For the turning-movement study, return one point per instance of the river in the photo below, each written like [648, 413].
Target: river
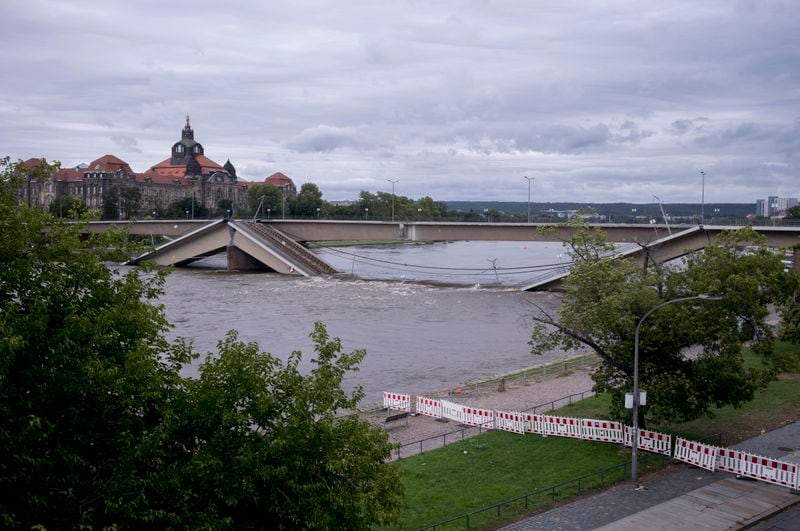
[419, 335]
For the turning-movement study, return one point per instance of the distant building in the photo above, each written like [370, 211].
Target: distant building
[774, 206]
[186, 173]
[283, 182]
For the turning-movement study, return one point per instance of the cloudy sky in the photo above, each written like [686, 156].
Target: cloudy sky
[597, 100]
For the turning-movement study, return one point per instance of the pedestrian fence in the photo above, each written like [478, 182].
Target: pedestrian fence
[700, 454]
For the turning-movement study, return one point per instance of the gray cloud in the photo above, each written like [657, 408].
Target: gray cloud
[600, 101]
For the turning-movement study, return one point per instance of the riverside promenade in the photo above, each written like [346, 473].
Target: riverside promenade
[685, 497]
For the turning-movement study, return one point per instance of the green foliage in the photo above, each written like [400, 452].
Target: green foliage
[186, 208]
[793, 213]
[121, 201]
[308, 200]
[690, 354]
[98, 429]
[272, 199]
[67, 207]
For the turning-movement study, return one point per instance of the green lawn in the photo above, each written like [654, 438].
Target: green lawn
[497, 466]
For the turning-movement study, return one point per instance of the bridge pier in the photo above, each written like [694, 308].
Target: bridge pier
[239, 260]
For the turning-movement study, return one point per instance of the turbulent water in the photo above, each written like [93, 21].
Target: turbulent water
[418, 335]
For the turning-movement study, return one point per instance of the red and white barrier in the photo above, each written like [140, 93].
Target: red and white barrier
[562, 426]
[602, 430]
[429, 407]
[535, 424]
[695, 453]
[510, 421]
[730, 460]
[397, 401]
[479, 417]
[770, 470]
[650, 441]
[453, 411]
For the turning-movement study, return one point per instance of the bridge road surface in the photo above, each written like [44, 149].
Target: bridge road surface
[675, 497]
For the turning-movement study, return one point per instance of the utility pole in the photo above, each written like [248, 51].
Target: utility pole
[393, 183]
[529, 179]
[703, 200]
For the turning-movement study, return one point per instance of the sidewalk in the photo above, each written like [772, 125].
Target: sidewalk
[677, 497]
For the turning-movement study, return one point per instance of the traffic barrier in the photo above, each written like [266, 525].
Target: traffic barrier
[429, 407]
[510, 421]
[602, 430]
[452, 411]
[770, 470]
[650, 441]
[695, 453]
[479, 417]
[535, 424]
[562, 426]
[397, 401]
[730, 460]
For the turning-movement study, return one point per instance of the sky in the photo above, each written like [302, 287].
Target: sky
[597, 101]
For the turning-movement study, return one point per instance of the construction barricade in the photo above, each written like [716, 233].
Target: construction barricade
[510, 421]
[429, 407]
[730, 460]
[650, 441]
[397, 401]
[602, 430]
[770, 470]
[479, 417]
[452, 411]
[562, 426]
[534, 424]
[695, 453]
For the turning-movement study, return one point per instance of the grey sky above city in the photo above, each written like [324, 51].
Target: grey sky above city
[598, 101]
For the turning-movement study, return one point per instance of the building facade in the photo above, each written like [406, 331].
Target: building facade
[187, 173]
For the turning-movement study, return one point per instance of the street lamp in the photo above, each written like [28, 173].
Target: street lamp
[635, 446]
[419, 214]
[317, 212]
[393, 183]
[269, 211]
[187, 213]
[366, 214]
[703, 200]
[529, 179]
[486, 213]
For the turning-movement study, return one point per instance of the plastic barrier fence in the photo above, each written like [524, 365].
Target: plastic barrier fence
[535, 424]
[730, 460]
[562, 426]
[429, 407]
[770, 470]
[602, 430]
[510, 421]
[695, 453]
[650, 441]
[397, 401]
[479, 417]
[452, 411]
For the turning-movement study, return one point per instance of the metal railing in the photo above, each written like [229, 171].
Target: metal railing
[440, 441]
[520, 504]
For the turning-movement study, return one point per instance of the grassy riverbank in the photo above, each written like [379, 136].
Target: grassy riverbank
[498, 466]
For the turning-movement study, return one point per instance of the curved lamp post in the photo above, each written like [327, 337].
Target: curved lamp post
[635, 446]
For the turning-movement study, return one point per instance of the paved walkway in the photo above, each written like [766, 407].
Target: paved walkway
[616, 504]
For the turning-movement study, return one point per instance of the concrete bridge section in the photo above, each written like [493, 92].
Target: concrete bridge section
[249, 246]
[674, 246]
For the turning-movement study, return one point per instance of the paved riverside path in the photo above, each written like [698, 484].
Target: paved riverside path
[612, 507]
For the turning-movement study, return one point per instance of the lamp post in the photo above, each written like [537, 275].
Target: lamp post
[486, 213]
[269, 211]
[393, 183]
[419, 214]
[366, 214]
[529, 179]
[187, 214]
[635, 446]
[317, 212]
[703, 200]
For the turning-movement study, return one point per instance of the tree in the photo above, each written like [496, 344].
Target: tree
[121, 201]
[690, 355]
[308, 200]
[67, 206]
[188, 206]
[99, 429]
[271, 199]
[793, 212]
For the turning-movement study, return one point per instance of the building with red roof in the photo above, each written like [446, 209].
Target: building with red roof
[187, 173]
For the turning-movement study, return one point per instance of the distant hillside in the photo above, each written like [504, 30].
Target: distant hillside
[737, 210]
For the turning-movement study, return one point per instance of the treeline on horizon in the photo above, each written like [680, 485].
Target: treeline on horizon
[606, 209]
